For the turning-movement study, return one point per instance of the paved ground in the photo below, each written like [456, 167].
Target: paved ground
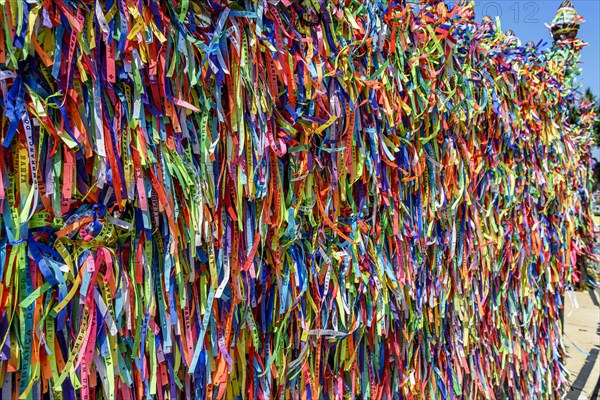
[582, 338]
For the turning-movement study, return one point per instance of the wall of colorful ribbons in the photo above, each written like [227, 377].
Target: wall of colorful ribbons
[284, 199]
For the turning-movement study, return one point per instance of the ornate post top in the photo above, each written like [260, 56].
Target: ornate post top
[566, 22]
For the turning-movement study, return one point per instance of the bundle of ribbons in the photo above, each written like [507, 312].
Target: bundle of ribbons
[330, 199]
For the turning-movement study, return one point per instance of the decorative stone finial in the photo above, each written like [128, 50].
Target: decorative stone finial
[565, 24]
[512, 39]
[566, 4]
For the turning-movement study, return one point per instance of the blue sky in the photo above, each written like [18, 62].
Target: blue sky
[526, 18]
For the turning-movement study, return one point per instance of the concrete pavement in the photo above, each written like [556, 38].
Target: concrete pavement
[582, 340]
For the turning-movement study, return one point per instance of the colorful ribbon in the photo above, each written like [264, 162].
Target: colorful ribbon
[263, 199]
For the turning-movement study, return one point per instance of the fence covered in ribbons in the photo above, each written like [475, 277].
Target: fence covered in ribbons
[316, 200]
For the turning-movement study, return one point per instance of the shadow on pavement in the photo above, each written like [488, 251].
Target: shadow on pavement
[584, 375]
[588, 368]
[594, 298]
